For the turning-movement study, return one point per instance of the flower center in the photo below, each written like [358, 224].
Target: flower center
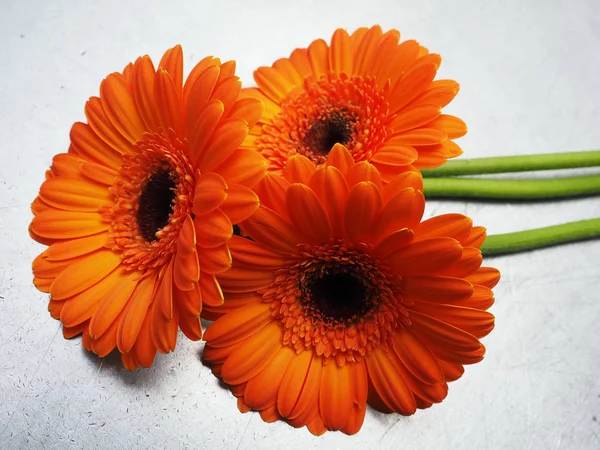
[325, 132]
[338, 296]
[334, 109]
[151, 198]
[337, 300]
[156, 203]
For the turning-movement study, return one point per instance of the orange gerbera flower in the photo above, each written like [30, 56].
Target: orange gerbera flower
[365, 91]
[138, 213]
[345, 297]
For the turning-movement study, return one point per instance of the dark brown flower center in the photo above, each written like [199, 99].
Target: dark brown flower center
[339, 296]
[156, 203]
[335, 128]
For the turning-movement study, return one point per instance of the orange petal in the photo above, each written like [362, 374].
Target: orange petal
[418, 137]
[106, 343]
[331, 188]
[135, 313]
[247, 252]
[272, 83]
[75, 195]
[211, 290]
[144, 349]
[240, 203]
[335, 403]
[190, 301]
[81, 307]
[416, 357]
[299, 58]
[483, 298]
[213, 229]
[70, 332]
[437, 289]
[245, 167]
[210, 193]
[190, 325]
[186, 269]
[271, 108]
[253, 355]
[271, 190]
[358, 394]
[389, 383]
[104, 128]
[199, 91]
[238, 325]
[227, 137]
[57, 224]
[425, 394]
[415, 117]
[66, 165]
[455, 226]
[442, 334]
[234, 301]
[215, 259]
[381, 57]
[172, 62]
[299, 169]
[340, 55]
[363, 171]
[296, 378]
[468, 264]
[413, 84]
[168, 102]
[476, 237]
[112, 305]
[366, 50]
[450, 125]
[405, 55]
[86, 272]
[163, 297]
[286, 68]
[271, 230]
[143, 92]
[411, 178]
[270, 414]
[486, 276]
[261, 391]
[440, 92]
[72, 248]
[318, 55]
[119, 105]
[204, 127]
[164, 330]
[363, 204]
[249, 110]
[395, 155]
[393, 242]
[87, 144]
[98, 173]
[240, 279]
[340, 158]
[473, 321]
[307, 213]
[452, 371]
[316, 426]
[426, 257]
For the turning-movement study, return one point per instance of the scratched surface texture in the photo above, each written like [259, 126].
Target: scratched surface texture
[530, 77]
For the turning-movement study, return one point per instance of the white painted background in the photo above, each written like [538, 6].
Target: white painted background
[530, 76]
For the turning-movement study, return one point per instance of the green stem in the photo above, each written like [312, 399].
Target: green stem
[526, 163]
[512, 189]
[541, 237]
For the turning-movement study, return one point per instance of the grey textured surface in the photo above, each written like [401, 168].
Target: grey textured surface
[530, 80]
